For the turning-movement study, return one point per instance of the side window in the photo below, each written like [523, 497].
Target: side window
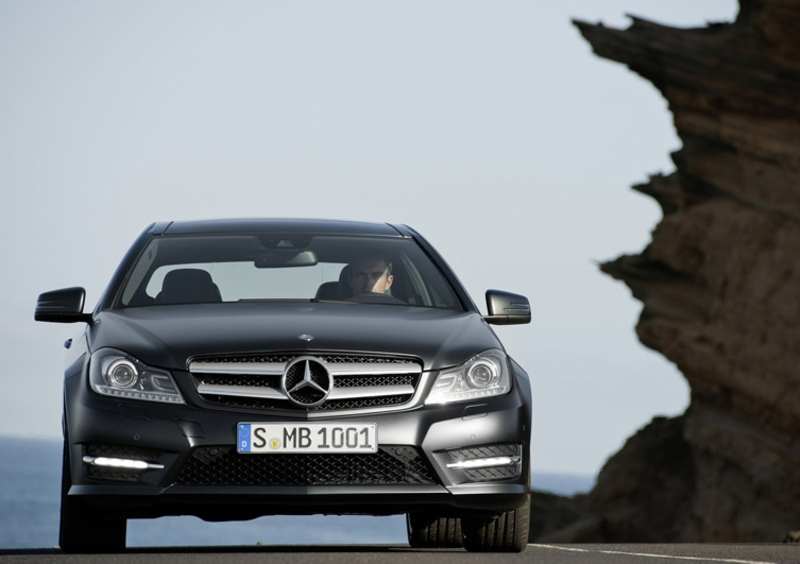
[156, 283]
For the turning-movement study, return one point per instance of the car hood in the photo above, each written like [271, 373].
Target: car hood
[169, 336]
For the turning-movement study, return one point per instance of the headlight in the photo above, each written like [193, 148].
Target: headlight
[481, 376]
[114, 373]
[121, 373]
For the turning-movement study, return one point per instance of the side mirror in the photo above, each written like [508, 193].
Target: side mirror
[62, 306]
[507, 309]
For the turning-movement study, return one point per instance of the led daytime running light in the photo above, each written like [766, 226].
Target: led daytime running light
[121, 463]
[152, 396]
[485, 462]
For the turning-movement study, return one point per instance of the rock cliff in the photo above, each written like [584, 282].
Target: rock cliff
[720, 284]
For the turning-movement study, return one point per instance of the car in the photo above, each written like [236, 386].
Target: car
[238, 368]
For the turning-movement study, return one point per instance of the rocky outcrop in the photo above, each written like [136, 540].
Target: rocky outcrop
[557, 519]
[644, 487]
[720, 284]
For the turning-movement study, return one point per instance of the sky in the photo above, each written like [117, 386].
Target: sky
[487, 125]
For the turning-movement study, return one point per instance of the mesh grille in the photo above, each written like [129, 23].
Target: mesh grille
[257, 380]
[361, 403]
[376, 380]
[333, 405]
[99, 473]
[492, 474]
[246, 359]
[224, 466]
[333, 359]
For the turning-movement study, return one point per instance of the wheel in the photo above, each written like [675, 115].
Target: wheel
[85, 529]
[431, 531]
[507, 532]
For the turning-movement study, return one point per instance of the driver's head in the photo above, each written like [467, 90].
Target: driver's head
[371, 275]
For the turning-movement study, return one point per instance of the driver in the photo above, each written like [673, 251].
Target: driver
[371, 275]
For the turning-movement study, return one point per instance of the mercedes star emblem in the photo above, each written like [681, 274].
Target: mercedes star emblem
[306, 381]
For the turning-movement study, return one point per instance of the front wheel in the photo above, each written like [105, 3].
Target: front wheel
[508, 532]
[85, 529]
[426, 530]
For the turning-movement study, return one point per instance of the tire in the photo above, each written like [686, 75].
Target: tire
[507, 532]
[86, 529]
[426, 530]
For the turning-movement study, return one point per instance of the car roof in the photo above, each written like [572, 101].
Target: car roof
[321, 226]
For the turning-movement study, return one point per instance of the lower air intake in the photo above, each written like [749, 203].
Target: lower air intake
[223, 466]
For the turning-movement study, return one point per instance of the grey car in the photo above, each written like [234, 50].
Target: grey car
[240, 368]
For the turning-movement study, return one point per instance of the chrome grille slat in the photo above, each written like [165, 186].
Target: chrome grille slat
[254, 368]
[370, 392]
[276, 369]
[242, 391]
[358, 369]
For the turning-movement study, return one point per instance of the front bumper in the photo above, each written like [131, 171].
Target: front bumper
[172, 436]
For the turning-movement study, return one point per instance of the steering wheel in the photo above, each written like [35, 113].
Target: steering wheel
[374, 298]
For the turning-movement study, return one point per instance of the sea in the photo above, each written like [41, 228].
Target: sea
[30, 482]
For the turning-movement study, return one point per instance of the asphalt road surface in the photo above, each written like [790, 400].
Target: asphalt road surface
[536, 553]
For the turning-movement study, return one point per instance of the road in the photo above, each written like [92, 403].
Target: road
[536, 553]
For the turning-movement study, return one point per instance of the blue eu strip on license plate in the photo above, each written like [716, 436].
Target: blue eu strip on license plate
[244, 438]
[280, 438]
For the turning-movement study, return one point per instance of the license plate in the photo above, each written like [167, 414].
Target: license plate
[281, 438]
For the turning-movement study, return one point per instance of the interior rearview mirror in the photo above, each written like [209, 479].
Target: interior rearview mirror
[279, 258]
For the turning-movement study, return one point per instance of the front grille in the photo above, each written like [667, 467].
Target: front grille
[254, 381]
[118, 451]
[223, 466]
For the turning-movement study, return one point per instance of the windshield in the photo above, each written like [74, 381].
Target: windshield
[269, 266]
